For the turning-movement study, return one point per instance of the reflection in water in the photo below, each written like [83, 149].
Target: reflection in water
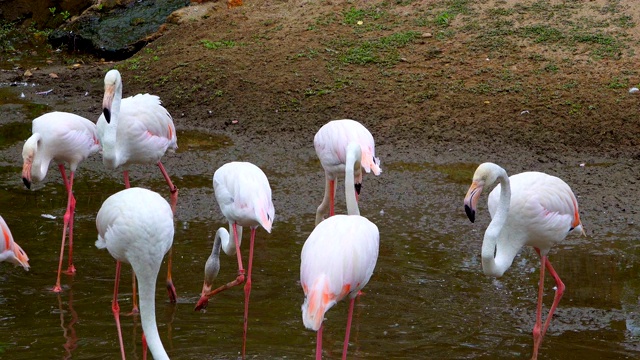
[68, 330]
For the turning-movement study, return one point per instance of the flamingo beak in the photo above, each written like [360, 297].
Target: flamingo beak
[109, 93]
[204, 299]
[471, 200]
[21, 256]
[26, 173]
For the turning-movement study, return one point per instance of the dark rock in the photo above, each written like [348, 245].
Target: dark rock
[117, 33]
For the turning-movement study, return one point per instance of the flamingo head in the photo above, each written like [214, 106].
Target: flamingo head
[485, 175]
[28, 154]
[112, 86]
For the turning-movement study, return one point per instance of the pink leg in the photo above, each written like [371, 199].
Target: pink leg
[204, 299]
[247, 292]
[144, 347]
[174, 201]
[67, 223]
[134, 310]
[319, 343]
[332, 195]
[556, 299]
[348, 332]
[115, 308]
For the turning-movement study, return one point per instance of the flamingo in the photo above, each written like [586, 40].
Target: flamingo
[530, 208]
[243, 193]
[331, 142]
[136, 130]
[9, 249]
[338, 258]
[136, 226]
[64, 138]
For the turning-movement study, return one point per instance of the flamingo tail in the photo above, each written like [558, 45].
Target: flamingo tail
[317, 302]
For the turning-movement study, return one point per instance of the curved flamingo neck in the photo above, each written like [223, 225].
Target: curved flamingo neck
[147, 289]
[353, 168]
[110, 151]
[490, 243]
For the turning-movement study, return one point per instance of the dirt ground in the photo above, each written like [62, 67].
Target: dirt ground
[466, 87]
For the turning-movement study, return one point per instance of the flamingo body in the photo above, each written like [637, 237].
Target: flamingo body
[529, 208]
[61, 137]
[331, 143]
[136, 226]
[243, 193]
[144, 132]
[136, 130]
[337, 261]
[64, 138]
[10, 251]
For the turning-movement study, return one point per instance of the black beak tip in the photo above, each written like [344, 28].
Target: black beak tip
[470, 213]
[358, 188]
[26, 182]
[107, 115]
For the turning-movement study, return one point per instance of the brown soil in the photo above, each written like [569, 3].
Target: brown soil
[455, 93]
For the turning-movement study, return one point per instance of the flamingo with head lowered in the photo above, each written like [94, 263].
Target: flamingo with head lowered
[338, 258]
[243, 193]
[136, 130]
[136, 226]
[530, 208]
[10, 251]
[331, 143]
[64, 138]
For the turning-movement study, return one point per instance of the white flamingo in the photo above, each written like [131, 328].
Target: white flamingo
[243, 193]
[136, 226]
[331, 143]
[10, 251]
[64, 138]
[338, 258]
[530, 208]
[136, 130]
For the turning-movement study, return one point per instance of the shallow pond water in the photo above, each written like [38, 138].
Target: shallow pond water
[427, 299]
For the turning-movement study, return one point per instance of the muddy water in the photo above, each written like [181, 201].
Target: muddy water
[427, 299]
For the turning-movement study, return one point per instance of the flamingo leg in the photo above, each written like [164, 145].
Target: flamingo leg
[556, 299]
[247, 292]
[144, 347]
[134, 296]
[174, 201]
[539, 330]
[125, 174]
[319, 343]
[348, 331]
[115, 308]
[202, 303]
[68, 223]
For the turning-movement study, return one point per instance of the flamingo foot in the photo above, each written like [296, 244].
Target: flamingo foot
[71, 270]
[202, 303]
[134, 311]
[173, 297]
[57, 289]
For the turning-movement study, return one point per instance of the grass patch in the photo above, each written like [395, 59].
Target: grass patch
[379, 51]
[218, 44]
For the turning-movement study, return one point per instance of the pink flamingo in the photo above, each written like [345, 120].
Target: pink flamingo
[9, 249]
[243, 193]
[136, 226]
[331, 142]
[62, 137]
[136, 130]
[338, 258]
[529, 208]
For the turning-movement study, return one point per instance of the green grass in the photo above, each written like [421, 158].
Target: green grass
[382, 50]
[218, 44]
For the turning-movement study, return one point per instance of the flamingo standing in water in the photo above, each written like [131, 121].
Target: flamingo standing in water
[10, 250]
[331, 143]
[136, 226]
[136, 130]
[338, 258]
[61, 137]
[529, 208]
[243, 193]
